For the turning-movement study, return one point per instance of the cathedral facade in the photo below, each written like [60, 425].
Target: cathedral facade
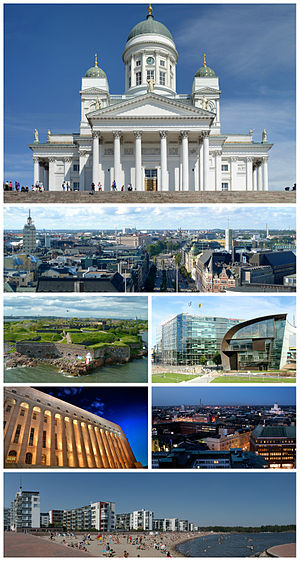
[151, 138]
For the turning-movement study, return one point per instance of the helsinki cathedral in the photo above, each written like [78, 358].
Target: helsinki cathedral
[150, 136]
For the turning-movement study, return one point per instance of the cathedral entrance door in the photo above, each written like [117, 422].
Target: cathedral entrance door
[150, 179]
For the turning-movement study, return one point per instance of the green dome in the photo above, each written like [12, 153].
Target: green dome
[205, 72]
[95, 71]
[149, 25]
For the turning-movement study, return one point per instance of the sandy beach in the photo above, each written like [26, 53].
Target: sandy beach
[134, 544]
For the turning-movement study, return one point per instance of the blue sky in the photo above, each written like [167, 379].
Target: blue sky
[77, 306]
[241, 307]
[127, 407]
[251, 47]
[224, 396]
[203, 498]
[85, 217]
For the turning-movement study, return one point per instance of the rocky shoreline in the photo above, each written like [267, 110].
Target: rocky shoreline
[64, 364]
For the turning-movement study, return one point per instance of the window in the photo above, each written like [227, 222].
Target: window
[34, 416]
[4, 424]
[8, 409]
[224, 186]
[43, 459]
[129, 82]
[31, 437]
[45, 419]
[75, 185]
[138, 78]
[162, 63]
[28, 458]
[162, 78]
[75, 167]
[44, 438]
[12, 457]
[138, 62]
[56, 448]
[22, 412]
[17, 434]
[150, 74]
[224, 167]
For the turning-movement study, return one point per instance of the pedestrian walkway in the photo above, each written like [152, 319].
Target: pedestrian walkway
[27, 545]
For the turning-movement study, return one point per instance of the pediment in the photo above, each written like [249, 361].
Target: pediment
[207, 90]
[93, 91]
[150, 105]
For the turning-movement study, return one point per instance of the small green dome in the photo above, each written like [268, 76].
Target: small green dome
[205, 71]
[149, 25]
[95, 71]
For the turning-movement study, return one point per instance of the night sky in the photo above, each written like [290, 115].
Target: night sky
[204, 498]
[224, 396]
[126, 407]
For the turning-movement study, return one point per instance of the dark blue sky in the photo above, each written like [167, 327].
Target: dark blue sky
[224, 395]
[223, 498]
[49, 47]
[126, 407]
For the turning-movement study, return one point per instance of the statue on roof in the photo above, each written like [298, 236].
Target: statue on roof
[98, 103]
[36, 135]
[205, 103]
[264, 137]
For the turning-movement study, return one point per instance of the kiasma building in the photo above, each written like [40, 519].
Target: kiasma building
[150, 136]
[43, 431]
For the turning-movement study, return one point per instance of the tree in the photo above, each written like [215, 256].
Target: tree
[202, 359]
[217, 359]
[177, 259]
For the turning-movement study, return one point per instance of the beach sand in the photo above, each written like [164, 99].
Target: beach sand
[148, 545]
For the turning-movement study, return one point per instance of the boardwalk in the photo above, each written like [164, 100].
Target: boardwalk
[285, 550]
[27, 545]
[140, 197]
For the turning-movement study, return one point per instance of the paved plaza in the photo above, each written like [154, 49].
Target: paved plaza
[27, 545]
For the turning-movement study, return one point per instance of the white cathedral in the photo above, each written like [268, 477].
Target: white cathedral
[151, 137]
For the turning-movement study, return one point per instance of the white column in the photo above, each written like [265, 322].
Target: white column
[265, 174]
[233, 173]
[200, 163]
[68, 163]
[218, 173]
[249, 174]
[254, 177]
[36, 170]
[156, 54]
[185, 160]
[117, 158]
[143, 69]
[95, 158]
[259, 177]
[205, 135]
[138, 161]
[132, 70]
[52, 185]
[81, 170]
[163, 161]
[180, 163]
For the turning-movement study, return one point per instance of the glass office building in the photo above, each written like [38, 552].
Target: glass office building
[261, 343]
[185, 338]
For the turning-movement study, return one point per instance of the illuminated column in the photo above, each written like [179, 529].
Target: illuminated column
[163, 161]
[120, 450]
[117, 157]
[126, 451]
[11, 426]
[205, 135]
[115, 449]
[185, 160]
[64, 441]
[25, 435]
[107, 448]
[89, 442]
[138, 160]
[98, 458]
[81, 438]
[112, 449]
[132, 458]
[73, 443]
[100, 442]
[249, 174]
[52, 440]
[40, 439]
[95, 158]
[36, 170]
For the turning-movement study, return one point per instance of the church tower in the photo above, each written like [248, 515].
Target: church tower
[29, 236]
[150, 59]
[94, 94]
